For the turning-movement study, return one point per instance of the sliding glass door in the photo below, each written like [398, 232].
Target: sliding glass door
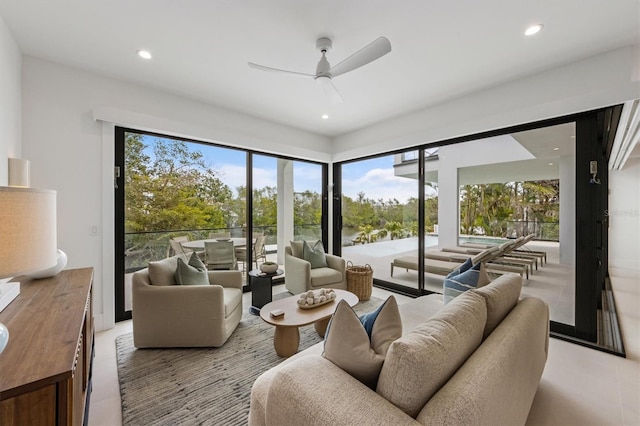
[545, 181]
[379, 211]
[172, 188]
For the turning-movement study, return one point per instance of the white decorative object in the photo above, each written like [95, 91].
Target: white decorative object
[312, 299]
[54, 270]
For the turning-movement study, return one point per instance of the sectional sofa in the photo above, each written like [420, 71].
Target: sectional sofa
[477, 360]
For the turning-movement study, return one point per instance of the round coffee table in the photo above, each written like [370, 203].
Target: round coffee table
[286, 337]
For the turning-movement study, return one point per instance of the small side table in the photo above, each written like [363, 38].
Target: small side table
[261, 289]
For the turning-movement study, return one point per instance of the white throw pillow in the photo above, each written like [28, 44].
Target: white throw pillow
[359, 345]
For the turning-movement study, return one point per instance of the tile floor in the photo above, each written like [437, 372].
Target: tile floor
[580, 386]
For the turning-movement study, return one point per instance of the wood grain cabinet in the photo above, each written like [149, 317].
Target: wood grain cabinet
[45, 370]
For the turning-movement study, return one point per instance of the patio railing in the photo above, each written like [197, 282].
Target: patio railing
[144, 247]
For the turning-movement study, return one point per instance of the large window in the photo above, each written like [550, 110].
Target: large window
[532, 180]
[172, 188]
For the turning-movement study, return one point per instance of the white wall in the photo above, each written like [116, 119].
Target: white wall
[624, 216]
[10, 101]
[73, 153]
[603, 80]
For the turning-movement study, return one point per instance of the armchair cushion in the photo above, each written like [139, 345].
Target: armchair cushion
[296, 248]
[232, 299]
[192, 273]
[324, 276]
[162, 272]
[314, 254]
[359, 345]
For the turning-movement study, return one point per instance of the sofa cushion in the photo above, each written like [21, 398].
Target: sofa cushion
[325, 276]
[314, 254]
[192, 273]
[232, 299]
[359, 345]
[420, 362]
[163, 271]
[501, 296]
[469, 278]
[296, 248]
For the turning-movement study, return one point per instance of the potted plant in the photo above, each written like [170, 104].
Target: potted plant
[269, 267]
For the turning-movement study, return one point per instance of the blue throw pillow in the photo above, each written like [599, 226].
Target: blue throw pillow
[470, 277]
[460, 269]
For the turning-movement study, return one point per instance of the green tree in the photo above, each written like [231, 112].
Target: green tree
[169, 187]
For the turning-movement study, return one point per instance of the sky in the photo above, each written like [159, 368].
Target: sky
[375, 177]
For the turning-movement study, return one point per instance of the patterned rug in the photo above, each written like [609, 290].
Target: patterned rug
[209, 386]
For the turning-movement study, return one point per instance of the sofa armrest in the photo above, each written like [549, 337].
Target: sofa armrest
[336, 262]
[229, 279]
[313, 391]
[298, 273]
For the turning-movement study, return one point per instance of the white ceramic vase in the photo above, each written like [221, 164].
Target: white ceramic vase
[54, 270]
[269, 268]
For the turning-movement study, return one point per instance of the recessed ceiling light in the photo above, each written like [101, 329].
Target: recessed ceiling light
[556, 149]
[533, 29]
[551, 164]
[144, 54]
[325, 116]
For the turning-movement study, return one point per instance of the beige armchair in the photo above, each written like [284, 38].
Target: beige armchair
[299, 277]
[166, 314]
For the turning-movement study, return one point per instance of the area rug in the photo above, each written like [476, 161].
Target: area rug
[209, 386]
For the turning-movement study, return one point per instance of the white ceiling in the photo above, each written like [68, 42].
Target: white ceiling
[440, 49]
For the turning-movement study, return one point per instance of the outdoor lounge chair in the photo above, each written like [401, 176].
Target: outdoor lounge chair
[521, 250]
[511, 252]
[433, 266]
[498, 257]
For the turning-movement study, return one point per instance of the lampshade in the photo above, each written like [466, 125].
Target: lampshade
[19, 174]
[27, 230]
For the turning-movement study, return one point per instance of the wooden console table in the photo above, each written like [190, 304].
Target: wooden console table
[45, 370]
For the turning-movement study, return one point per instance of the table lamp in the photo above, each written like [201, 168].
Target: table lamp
[28, 239]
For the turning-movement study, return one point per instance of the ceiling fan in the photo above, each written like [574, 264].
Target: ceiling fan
[325, 72]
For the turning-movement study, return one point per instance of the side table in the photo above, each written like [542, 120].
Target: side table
[261, 289]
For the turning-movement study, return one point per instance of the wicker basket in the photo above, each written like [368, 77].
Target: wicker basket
[360, 280]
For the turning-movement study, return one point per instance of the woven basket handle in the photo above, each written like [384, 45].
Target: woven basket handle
[349, 264]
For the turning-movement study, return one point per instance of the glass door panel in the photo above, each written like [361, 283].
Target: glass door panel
[380, 217]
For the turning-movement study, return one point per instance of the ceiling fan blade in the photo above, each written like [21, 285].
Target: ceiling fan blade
[264, 68]
[329, 89]
[374, 50]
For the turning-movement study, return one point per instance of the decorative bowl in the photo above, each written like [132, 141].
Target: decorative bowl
[269, 268]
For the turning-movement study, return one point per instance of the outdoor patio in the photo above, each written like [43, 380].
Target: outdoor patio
[553, 282]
